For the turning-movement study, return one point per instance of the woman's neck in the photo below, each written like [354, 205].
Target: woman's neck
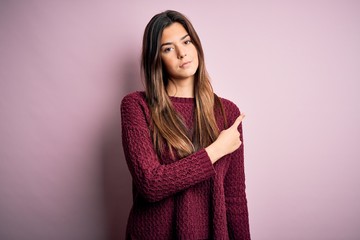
[181, 88]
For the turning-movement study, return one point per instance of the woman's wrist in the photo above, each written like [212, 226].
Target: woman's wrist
[214, 152]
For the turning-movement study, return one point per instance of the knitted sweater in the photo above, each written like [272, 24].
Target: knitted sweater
[188, 198]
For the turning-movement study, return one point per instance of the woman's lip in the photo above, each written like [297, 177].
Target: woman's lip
[185, 64]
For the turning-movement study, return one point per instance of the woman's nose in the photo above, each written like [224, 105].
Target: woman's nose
[181, 53]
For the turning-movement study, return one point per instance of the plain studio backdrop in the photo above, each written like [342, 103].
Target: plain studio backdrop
[292, 66]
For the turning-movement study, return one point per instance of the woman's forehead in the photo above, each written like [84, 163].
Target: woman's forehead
[173, 33]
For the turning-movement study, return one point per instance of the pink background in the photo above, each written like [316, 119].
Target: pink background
[292, 67]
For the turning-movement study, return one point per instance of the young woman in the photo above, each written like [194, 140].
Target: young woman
[182, 143]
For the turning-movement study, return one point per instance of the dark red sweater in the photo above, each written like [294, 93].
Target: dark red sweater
[188, 198]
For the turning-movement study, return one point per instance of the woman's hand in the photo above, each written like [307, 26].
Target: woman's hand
[227, 142]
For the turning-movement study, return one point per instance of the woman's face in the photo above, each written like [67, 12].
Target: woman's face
[178, 53]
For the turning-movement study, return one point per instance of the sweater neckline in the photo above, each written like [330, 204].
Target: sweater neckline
[182, 99]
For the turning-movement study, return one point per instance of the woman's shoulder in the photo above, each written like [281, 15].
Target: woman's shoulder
[134, 99]
[134, 96]
[133, 102]
[229, 106]
[231, 110]
[134, 109]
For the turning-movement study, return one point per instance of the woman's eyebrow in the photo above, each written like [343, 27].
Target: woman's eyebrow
[169, 43]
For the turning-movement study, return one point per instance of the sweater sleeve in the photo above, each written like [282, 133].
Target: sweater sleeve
[235, 196]
[153, 180]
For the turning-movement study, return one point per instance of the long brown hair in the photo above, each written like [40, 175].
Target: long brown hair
[167, 125]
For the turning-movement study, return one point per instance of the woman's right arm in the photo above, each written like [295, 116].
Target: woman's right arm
[156, 181]
[153, 180]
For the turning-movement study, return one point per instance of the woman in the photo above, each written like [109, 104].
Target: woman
[182, 143]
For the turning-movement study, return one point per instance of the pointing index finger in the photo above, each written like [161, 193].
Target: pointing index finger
[238, 120]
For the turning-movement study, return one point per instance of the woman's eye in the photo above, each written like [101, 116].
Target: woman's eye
[166, 50]
[187, 41]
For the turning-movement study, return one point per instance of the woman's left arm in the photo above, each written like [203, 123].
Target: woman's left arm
[235, 196]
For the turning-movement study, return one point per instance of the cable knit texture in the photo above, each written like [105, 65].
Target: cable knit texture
[188, 198]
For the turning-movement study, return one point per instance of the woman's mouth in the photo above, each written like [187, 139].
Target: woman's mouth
[185, 64]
